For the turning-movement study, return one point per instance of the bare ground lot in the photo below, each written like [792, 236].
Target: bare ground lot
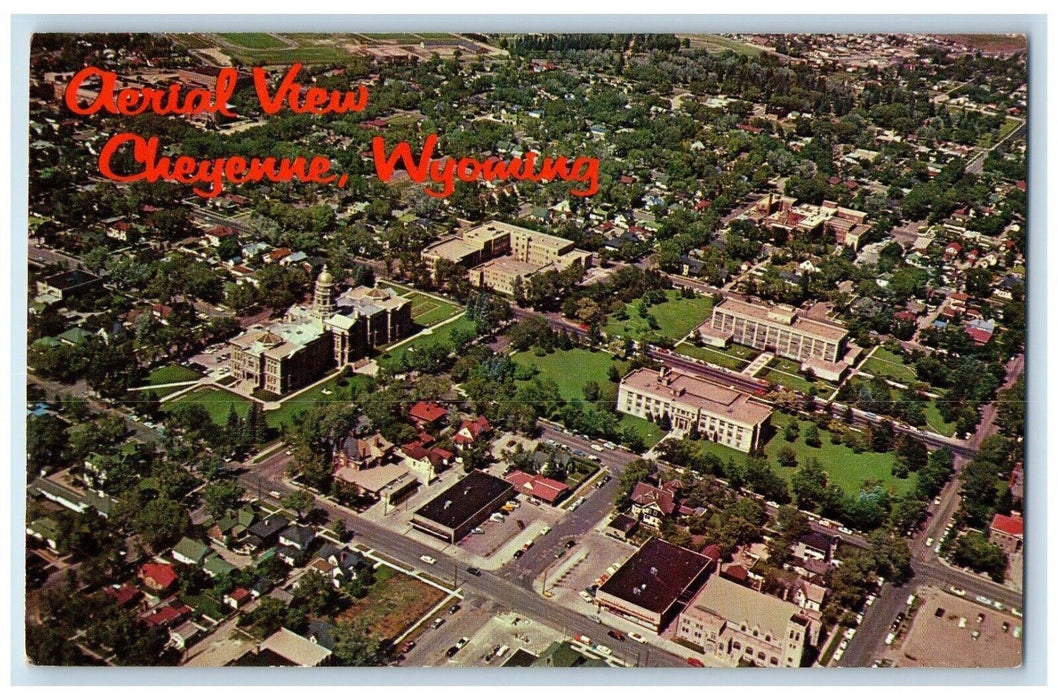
[394, 604]
[939, 641]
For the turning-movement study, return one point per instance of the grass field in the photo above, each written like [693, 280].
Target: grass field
[676, 317]
[394, 603]
[934, 420]
[426, 310]
[717, 357]
[285, 413]
[216, 402]
[570, 369]
[785, 372]
[718, 44]
[650, 432]
[171, 374]
[441, 335]
[891, 366]
[254, 40]
[844, 467]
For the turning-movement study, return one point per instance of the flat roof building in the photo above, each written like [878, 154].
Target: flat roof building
[779, 328]
[719, 414]
[647, 587]
[734, 624]
[462, 507]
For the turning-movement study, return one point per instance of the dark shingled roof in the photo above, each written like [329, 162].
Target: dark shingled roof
[462, 500]
[655, 576]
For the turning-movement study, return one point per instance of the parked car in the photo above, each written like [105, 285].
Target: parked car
[407, 646]
[604, 650]
[427, 559]
[695, 662]
[437, 623]
[619, 636]
[570, 544]
[473, 571]
[636, 636]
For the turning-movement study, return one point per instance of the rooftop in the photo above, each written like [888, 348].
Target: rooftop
[778, 314]
[656, 575]
[739, 604]
[460, 501]
[699, 393]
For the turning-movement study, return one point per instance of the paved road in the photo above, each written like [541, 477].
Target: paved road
[515, 594]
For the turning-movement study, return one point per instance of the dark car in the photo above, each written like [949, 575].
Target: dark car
[695, 662]
[473, 571]
[407, 646]
[452, 651]
[519, 553]
[619, 636]
[570, 544]
[454, 609]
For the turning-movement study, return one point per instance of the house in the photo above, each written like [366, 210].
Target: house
[471, 430]
[233, 526]
[124, 596]
[536, 486]
[814, 545]
[652, 504]
[45, 529]
[355, 453]
[621, 526]
[298, 537]
[184, 635]
[264, 533]
[190, 552]
[237, 598]
[1008, 532]
[157, 577]
[294, 649]
[216, 566]
[426, 414]
[168, 615]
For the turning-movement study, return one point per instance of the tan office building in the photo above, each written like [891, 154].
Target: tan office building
[780, 329]
[719, 414]
[734, 624]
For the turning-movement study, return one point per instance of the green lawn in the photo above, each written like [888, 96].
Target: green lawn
[216, 401]
[785, 372]
[570, 369]
[426, 310]
[650, 432]
[305, 400]
[254, 40]
[845, 468]
[891, 366]
[717, 357]
[171, 374]
[676, 318]
[441, 335]
[934, 421]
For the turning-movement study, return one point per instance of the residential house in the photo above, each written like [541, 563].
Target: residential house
[157, 576]
[190, 552]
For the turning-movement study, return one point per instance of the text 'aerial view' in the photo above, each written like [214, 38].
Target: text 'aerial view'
[439, 349]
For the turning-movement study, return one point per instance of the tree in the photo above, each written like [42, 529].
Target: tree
[354, 645]
[221, 497]
[975, 551]
[787, 457]
[161, 521]
[45, 442]
[812, 436]
[300, 501]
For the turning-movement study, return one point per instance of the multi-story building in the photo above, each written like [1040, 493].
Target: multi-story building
[781, 329]
[1008, 532]
[718, 414]
[734, 624]
[497, 254]
[287, 355]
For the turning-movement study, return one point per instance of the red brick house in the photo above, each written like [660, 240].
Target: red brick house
[158, 577]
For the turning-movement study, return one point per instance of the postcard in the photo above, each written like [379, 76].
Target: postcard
[458, 349]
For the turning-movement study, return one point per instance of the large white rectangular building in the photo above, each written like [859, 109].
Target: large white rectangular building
[781, 329]
[718, 414]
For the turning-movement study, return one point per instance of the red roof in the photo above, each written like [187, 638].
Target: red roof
[538, 486]
[473, 428]
[124, 595]
[162, 574]
[645, 494]
[168, 614]
[1009, 524]
[427, 411]
[979, 335]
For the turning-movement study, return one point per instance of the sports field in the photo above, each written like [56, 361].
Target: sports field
[426, 309]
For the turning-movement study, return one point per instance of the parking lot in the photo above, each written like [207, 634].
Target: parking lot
[504, 538]
[505, 630]
[582, 567]
[950, 631]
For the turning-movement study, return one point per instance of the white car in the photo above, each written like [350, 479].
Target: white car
[427, 559]
[636, 636]
[597, 448]
[957, 591]
[545, 529]
[604, 650]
